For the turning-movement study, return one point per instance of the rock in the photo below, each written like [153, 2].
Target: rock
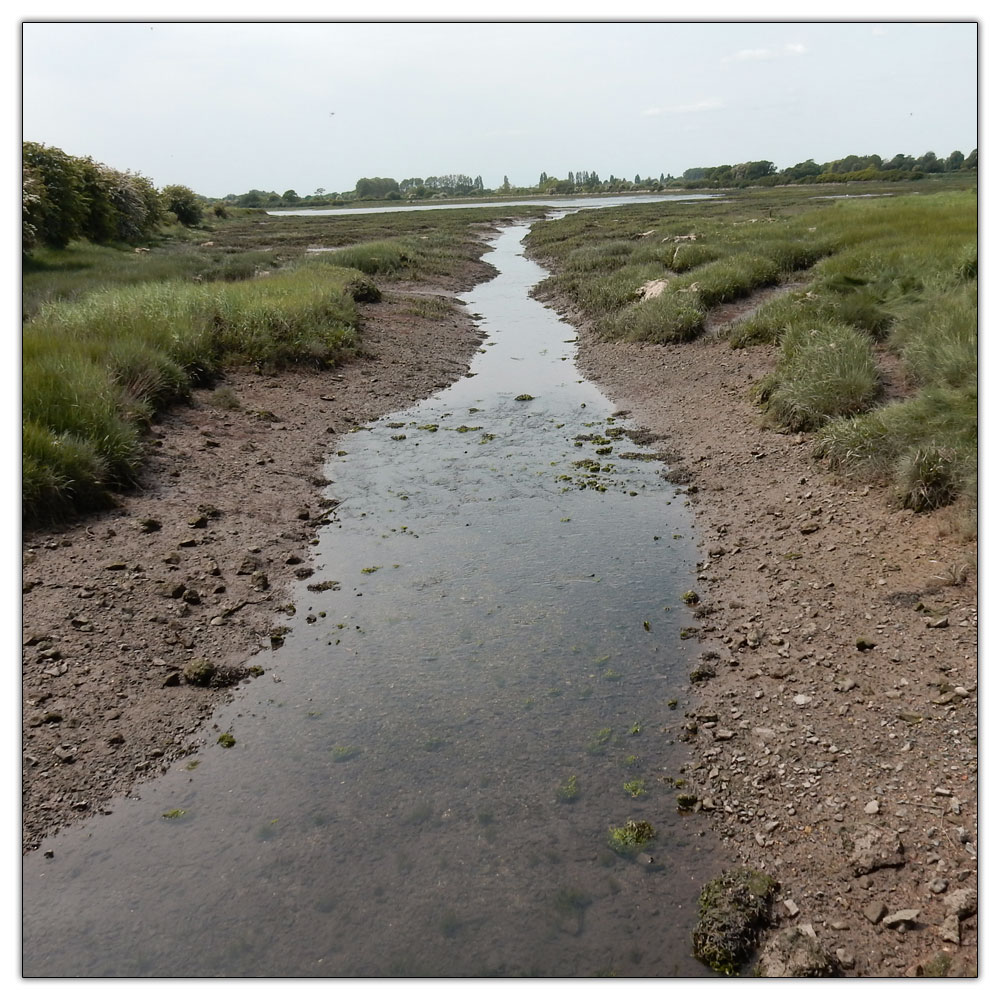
[199, 671]
[900, 918]
[937, 885]
[875, 848]
[802, 700]
[871, 808]
[845, 958]
[962, 902]
[950, 929]
[875, 911]
[794, 954]
[790, 907]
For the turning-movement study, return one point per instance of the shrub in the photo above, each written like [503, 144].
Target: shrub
[184, 203]
[821, 374]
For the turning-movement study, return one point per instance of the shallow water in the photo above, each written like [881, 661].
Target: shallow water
[501, 614]
[588, 201]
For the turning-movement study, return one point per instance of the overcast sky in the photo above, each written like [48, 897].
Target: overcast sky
[226, 107]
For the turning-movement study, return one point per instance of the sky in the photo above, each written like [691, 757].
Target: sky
[226, 106]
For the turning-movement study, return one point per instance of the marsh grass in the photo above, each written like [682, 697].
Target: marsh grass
[97, 369]
[896, 272]
[821, 374]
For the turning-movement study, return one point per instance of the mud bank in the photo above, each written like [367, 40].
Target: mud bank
[193, 564]
[835, 742]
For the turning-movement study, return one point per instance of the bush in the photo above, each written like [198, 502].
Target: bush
[821, 374]
[184, 203]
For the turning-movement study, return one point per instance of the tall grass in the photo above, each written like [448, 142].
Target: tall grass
[97, 369]
[821, 374]
[895, 274]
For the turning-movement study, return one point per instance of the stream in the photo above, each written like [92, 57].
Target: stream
[478, 682]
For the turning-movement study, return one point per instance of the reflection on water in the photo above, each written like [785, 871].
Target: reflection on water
[476, 685]
[592, 201]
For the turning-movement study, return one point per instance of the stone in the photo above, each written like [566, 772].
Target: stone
[199, 671]
[875, 848]
[845, 958]
[900, 918]
[871, 808]
[875, 911]
[962, 902]
[794, 953]
[950, 929]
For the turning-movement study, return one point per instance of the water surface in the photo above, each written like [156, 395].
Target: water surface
[424, 778]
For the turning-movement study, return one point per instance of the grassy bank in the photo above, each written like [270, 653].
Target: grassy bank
[873, 316]
[112, 336]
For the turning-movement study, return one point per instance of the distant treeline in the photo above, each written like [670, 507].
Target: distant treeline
[756, 172]
[65, 198]
[850, 168]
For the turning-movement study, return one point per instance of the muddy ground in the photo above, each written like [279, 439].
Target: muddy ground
[193, 565]
[848, 773]
[834, 736]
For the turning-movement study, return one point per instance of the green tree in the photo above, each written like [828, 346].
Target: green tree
[61, 211]
[184, 203]
[955, 160]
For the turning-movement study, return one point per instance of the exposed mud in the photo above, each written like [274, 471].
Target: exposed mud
[835, 745]
[193, 564]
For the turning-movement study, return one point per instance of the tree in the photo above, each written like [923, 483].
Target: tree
[183, 202]
[955, 160]
[376, 187]
[972, 160]
[60, 212]
[290, 197]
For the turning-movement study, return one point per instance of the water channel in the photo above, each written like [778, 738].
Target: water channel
[487, 656]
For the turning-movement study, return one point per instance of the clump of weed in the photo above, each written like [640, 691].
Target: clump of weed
[821, 373]
[635, 789]
[732, 909]
[628, 839]
[569, 791]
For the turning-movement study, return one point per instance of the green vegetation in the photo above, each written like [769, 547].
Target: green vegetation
[732, 909]
[570, 791]
[627, 839]
[873, 312]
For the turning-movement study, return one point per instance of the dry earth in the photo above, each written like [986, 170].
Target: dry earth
[849, 774]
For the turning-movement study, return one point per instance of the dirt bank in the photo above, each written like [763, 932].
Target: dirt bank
[835, 745]
[194, 564]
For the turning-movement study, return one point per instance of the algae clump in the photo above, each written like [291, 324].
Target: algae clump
[732, 910]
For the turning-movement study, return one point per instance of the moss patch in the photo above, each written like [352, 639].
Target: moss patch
[732, 909]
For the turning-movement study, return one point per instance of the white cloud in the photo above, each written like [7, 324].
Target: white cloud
[796, 49]
[709, 104]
